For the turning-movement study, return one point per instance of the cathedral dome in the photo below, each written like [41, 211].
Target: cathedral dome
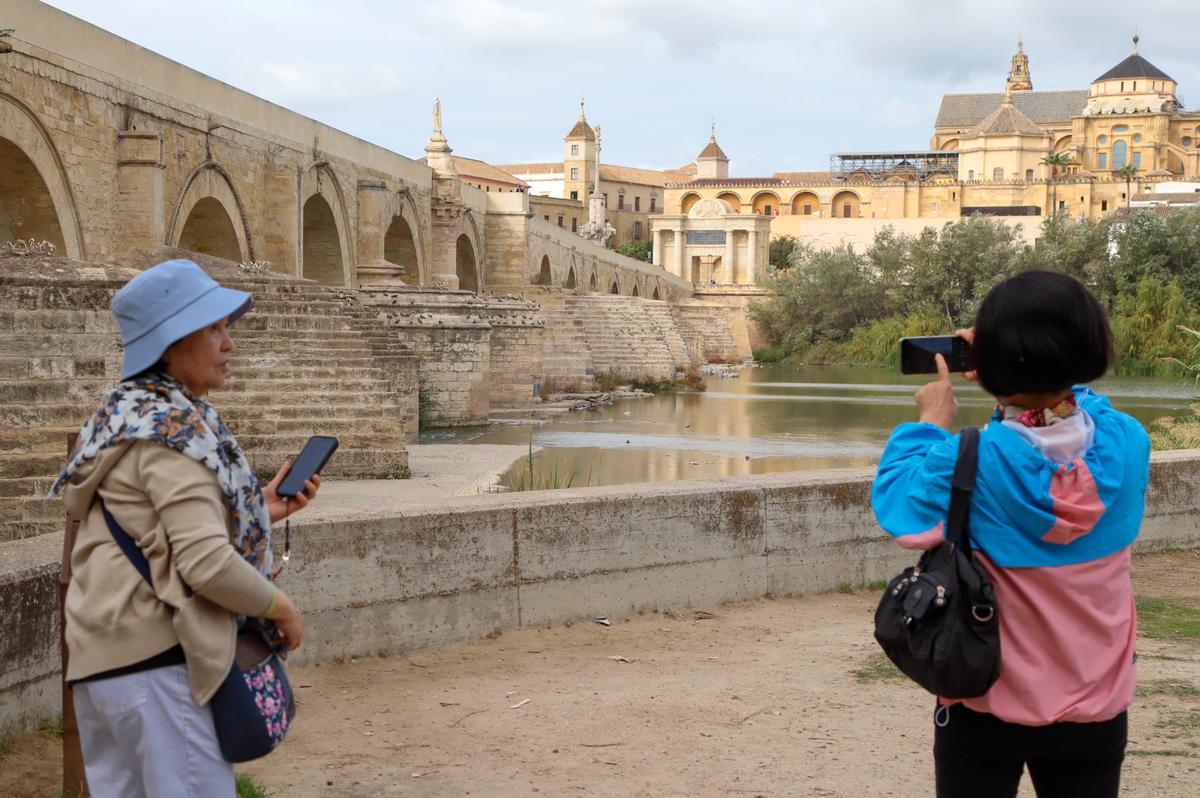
[1134, 67]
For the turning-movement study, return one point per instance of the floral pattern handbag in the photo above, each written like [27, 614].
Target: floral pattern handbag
[254, 705]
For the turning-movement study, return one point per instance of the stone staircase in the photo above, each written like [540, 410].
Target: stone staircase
[307, 361]
[566, 352]
[707, 332]
[588, 334]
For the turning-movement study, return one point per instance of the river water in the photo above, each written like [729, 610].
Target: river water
[775, 418]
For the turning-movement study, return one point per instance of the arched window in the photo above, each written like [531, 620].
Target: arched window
[1120, 151]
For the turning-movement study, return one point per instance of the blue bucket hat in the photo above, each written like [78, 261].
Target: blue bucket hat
[166, 303]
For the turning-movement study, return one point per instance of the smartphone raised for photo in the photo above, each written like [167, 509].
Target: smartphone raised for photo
[917, 353]
[312, 459]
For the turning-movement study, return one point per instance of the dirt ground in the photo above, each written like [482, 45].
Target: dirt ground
[772, 697]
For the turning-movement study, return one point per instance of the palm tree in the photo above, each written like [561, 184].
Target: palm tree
[1054, 161]
[1128, 171]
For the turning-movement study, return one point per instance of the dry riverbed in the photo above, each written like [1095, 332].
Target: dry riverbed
[772, 697]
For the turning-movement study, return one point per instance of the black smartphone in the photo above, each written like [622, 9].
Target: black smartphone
[917, 354]
[312, 459]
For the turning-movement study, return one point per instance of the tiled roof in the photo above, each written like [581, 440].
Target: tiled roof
[1005, 120]
[1134, 67]
[470, 167]
[736, 181]
[803, 176]
[713, 150]
[532, 168]
[1042, 107]
[582, 130]
[1168, 196]
[645, 177]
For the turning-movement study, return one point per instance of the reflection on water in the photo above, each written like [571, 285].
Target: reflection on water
[777, 418]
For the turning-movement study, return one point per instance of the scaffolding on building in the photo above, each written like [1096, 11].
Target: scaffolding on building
[882, 165]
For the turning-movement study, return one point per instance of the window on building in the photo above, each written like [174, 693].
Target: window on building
[1102, 139]
[637, 231]
[998, 173]
[1122, 85]
[1135, 85]
[1137, 160]
[574, 224]
[574, 173]
[1187, 141]
[575, 195]
[768, 210]
[1137, 138]
[560, 220]
[546, 217]
[1118, 129]
[1029, 175]
[1120, 153]
[574, 149]
[808, 209]
[637, 204]
[653, 203]
[1062, 204]
[1103, 205]
[606, 200]
[620, 202]
[970, 174]
[1102, 160]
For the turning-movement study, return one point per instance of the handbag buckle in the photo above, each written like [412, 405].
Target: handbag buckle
[983, 612]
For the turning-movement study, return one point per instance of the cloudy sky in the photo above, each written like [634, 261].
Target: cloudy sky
[787, 82]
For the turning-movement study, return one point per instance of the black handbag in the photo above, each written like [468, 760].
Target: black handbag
[938, 620]
[255, 705]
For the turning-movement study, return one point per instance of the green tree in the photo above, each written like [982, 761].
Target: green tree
[1078, 247]
[782, 248]
[638, 250]
[1147, 327]
[952, 270]
[1128, 171]
[1053, 162]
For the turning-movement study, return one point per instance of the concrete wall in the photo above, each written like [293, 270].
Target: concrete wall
[437, 575]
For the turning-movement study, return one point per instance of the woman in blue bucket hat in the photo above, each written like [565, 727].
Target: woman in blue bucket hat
[155, 458]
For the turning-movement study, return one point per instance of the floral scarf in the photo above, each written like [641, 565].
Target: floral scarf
[158, 408]
[1045, 417]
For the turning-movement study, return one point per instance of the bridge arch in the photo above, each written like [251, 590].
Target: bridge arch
[36, 200]
[656, 293]
[209, 216]
[402, 244]
[468, 265]
[324, 228]
[592, 283]
[544, 275]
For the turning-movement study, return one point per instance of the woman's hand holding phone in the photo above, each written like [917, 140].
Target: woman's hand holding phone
[935, 400]
[278, 508]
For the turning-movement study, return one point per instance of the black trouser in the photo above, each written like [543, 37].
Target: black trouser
[977, 755]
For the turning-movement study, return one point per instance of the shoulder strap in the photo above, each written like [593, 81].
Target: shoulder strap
[128, 545]
[961, 485]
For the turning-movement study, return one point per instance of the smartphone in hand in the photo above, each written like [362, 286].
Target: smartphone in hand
[312, 459]
[917, 354]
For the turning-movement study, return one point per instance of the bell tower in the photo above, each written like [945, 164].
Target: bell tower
[1018, 76]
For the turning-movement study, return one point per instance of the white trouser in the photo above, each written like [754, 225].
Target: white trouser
[144, 736]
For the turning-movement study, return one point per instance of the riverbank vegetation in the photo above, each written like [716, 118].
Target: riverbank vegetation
[848, 306]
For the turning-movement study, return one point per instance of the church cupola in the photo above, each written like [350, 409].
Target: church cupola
[1134, 86]
[712, 163]
[1018, 76]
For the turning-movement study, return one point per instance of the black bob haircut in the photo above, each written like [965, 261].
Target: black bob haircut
[1040, 332]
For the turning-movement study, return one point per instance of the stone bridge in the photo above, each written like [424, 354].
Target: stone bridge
[111, 151]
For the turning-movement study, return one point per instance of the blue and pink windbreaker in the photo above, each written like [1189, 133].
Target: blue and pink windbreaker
[1054, 539]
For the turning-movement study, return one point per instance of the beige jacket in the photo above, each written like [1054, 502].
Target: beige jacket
[173, 507]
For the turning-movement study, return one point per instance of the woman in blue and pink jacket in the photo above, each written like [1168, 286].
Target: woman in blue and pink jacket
[1057, 505]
